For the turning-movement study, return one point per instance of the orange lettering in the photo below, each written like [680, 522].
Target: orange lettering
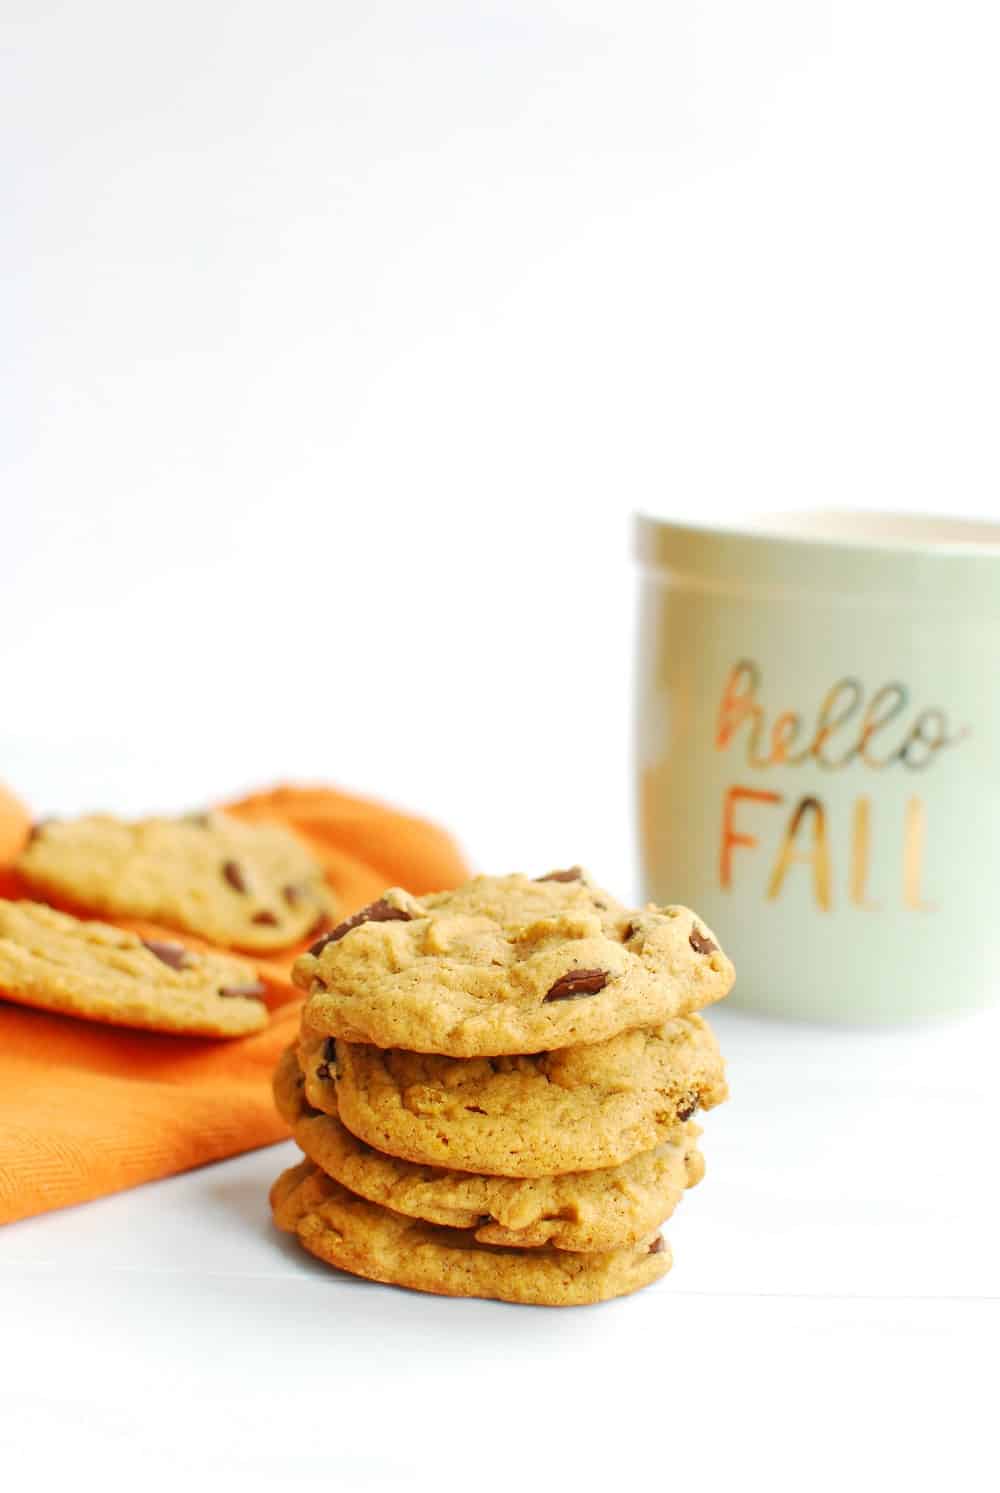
[731, 837]
[738, 705]
[876, 718]
[825, 726]
[861, 839]
[783, 734]
[914, 836]
[818, 857]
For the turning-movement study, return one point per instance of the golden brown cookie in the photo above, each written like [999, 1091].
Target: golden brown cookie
[244, 886]
[60, 963]
[367, 1240]
[573, 1110]
[508, 965]
[600, 1210]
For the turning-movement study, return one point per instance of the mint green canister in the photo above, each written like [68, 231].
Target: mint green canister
[819, 774]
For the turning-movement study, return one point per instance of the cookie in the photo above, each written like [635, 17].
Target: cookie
[582, 1211]
[508, 965]
[367, 1240]
[573, 1110]
[244, 886]
[60, 963]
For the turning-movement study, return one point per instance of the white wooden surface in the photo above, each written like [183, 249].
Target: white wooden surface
[831, 1319]
[438, 294]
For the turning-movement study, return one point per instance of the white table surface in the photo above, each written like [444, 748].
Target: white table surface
[831, 1319]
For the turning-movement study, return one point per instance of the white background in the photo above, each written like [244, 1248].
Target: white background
[342, 339]
[346, 337]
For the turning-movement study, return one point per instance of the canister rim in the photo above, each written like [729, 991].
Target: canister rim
[875, 556]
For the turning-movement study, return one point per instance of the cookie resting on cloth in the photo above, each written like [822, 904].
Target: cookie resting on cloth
[370, 1241]
[244, 886]
[61, 963]
[508, 965]
[599, 1210]
[576, 1109]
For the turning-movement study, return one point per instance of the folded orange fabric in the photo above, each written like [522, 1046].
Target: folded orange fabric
[87, 1110]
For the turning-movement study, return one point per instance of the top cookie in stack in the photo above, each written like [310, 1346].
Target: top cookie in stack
[505, 964]
[522, 1056]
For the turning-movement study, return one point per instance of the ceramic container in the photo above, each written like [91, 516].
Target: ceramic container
[819, 756]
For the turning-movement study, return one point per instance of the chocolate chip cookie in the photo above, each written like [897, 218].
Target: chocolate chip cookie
[370, 1241]
[583, 1211]
[573, 1110]
[508, 965]
[244, 886]
[60, 963]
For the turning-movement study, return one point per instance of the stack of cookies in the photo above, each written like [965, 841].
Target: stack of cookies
[494, 1089]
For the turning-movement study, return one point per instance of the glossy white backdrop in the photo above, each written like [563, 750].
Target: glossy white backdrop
[345, 338]
[342, 340]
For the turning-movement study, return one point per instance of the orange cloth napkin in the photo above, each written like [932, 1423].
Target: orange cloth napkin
[87, 1110]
